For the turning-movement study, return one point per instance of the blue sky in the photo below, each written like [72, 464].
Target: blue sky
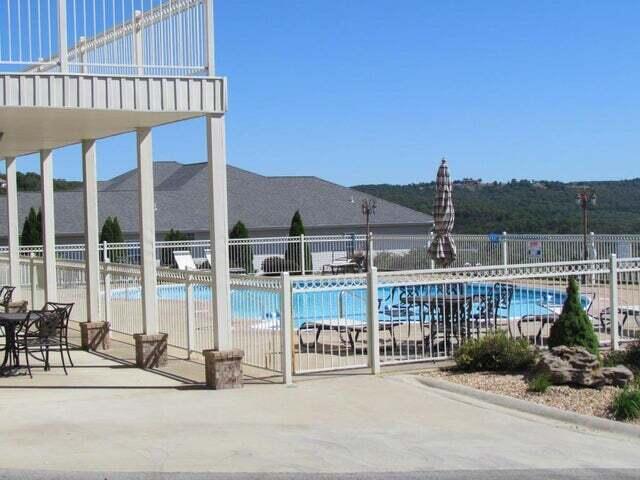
[378, 91]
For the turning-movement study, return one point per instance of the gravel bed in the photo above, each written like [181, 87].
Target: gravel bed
[586, 401]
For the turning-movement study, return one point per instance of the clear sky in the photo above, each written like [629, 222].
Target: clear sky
[374, 91]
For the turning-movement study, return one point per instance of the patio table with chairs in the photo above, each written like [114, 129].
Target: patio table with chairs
[35, 334]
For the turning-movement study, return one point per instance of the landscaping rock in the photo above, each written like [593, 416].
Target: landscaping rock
[578, 366]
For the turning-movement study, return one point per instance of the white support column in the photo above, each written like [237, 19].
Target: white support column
[286, 319]
[48, 227]
[147, 232]
[13, 223]
[62, 35]
[92, 258]
[209, 49]
[219, 230]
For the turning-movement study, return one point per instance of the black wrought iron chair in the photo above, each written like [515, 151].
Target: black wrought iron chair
[64, 309]
[487, 309]
[6, 294]
[38, 335]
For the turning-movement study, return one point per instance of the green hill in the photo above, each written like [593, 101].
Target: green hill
[523, 206]
[30, 182]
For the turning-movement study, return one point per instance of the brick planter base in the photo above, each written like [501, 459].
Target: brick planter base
[223, 369]
[151, 350]
[95, 336]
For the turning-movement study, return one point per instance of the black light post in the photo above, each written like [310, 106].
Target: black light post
[584, 199]
[368, 210]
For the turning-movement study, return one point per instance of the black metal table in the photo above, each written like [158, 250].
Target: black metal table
[10, 322]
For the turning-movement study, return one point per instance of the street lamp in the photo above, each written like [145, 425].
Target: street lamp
[368, 210]
[584, 199]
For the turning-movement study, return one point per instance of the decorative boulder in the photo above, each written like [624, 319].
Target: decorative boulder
[578, 366]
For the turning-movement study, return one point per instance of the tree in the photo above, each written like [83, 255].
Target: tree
[240, 255]
[175, 236]
[112, 233]
[32, 229]
[293, 255]
[573, 328]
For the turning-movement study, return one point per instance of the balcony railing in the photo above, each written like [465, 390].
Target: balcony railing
[124, 37]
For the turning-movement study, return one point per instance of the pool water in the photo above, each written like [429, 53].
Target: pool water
[350, 305]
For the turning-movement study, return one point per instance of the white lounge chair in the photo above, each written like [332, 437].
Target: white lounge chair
[238, 270]
[184, 260]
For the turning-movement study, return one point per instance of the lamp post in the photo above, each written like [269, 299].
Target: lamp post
[368, 210]
[584, 199]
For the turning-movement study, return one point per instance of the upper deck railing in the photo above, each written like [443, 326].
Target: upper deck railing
[124, 37]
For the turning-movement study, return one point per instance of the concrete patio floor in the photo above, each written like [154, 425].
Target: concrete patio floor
[107, 416]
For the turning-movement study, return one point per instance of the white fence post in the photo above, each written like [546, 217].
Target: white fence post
[105, 249]
[286, 319]
[505, 249]
[107, 293]
[137, 43]
[432, 262]
[302, 254]
[191, 314]
[34, 279]
[373, 334]
[370, 251]
[62, 36]
[613, 305]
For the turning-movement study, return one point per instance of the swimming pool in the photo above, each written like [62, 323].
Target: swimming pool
[350, 305]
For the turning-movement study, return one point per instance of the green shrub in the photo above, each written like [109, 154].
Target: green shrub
[495, 352]
[540, 383]
[626, 404]
[573, 328]
[629, 357]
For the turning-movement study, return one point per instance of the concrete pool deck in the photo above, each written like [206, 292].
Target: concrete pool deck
[107, 416]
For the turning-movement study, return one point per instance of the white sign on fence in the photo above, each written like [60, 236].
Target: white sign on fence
[535, 248]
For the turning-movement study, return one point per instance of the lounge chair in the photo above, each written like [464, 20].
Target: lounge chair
[184, 260]
[238, 270]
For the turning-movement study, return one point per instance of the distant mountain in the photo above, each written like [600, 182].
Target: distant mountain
[523, 206]
[30, 182]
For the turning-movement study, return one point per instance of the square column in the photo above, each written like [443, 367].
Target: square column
[48, 227]
[151, 345]
[219, 232]
[94, 333]
[13, 223]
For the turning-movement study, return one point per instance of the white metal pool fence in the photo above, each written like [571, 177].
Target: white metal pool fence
[312, 254]
[128, 37]
[302, 324]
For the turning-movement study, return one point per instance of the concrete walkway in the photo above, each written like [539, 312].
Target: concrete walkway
[109, 417]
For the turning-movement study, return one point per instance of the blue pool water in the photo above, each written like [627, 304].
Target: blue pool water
[326, 305]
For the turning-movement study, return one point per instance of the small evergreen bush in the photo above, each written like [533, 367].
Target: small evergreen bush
[495, 352]
[540, 383]
[626, 404]
[274, 265]
[240, 256]
[32, 228]
[629, 357]
[293, 255]
[573, 328]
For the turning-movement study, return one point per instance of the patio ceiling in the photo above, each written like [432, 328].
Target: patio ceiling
[46, 111]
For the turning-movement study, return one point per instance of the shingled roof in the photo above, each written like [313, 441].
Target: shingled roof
[261, 202]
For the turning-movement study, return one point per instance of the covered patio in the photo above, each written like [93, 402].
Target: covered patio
[78, 96]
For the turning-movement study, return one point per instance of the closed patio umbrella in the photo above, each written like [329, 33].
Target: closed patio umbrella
[443, 248]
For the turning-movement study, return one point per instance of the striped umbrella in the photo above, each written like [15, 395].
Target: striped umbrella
[443, 248]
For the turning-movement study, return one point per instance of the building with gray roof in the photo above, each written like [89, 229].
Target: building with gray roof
[264, 204]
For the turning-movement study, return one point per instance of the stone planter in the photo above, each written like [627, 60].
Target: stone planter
[151, 350]
[223, 369]
[95, 336]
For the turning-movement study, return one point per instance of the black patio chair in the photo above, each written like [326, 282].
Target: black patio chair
[64, 309]
[38, 335]
[6, 294]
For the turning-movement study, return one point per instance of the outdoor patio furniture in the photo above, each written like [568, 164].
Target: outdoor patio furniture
[184, 260]
[11, 323]
[39, 334]
[64, 310]
[232, 270]
[352, 331]
[341, 266]
[6, 294]
[624, 312]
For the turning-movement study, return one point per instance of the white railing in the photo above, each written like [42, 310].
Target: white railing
[311, 323]
[274, 255]
[128, 37]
